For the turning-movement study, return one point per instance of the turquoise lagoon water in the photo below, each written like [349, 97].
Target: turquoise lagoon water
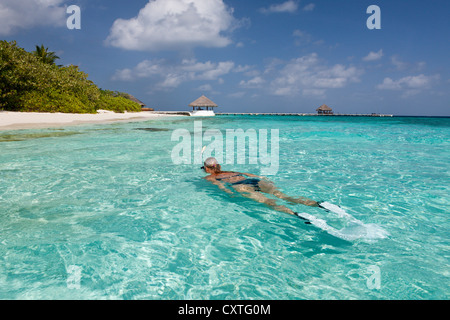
[102, 212]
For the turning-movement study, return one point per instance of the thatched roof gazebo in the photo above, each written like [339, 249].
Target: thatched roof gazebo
[203, 102]
[324, 109]
[199, 105]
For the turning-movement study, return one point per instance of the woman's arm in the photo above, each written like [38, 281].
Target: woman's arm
[219, 184]
[256, 176]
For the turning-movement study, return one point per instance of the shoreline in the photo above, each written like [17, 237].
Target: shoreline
[10, 120]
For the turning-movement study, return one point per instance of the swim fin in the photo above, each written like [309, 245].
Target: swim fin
[319, 204]
[306, 220]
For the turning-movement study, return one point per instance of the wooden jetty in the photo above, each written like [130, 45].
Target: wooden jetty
[181, 113]
[186, 113]
[305, 114]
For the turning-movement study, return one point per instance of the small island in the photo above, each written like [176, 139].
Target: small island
[32, 82]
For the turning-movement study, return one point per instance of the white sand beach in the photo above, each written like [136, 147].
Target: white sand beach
[32, 120]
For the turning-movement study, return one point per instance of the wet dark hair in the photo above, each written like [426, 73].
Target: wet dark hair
[215, 167]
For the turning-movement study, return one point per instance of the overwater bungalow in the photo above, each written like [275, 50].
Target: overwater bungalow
[324, 109]
[202, 107]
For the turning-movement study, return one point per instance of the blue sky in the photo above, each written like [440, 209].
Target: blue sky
[251, 56]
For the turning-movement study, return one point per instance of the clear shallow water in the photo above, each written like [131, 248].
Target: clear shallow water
[108, 201]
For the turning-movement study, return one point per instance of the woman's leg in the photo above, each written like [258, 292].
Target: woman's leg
[250, 192]
[270, 188]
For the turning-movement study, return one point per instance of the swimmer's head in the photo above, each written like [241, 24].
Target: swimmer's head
[211, 165]
[210, 162]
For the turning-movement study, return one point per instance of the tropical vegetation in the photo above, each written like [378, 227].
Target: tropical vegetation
[45, 55]
[32, 82]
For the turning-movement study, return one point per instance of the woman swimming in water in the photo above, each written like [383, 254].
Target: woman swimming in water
[251, 186]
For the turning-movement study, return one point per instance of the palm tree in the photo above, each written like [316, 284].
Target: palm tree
[45, 55]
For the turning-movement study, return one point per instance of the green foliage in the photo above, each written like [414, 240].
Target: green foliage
[27, 83]
[53, 101]
[115, 101]
[44, 55]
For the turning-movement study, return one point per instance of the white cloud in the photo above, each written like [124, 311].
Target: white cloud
[309, 7]
[237, 95]
[216, 71]
[205, 87]
[167, 75]
[373, 56]
[173, 25]
[389, 84]
[241, 68]
[255, 82]
[308, 76]
[288, 6]
[410, 85]
[412, 82]
[410, 66]
[400, 65]
[301, 37]
[26, 14]
[314, 92]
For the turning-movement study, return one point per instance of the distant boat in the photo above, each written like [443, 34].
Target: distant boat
[202, 107]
